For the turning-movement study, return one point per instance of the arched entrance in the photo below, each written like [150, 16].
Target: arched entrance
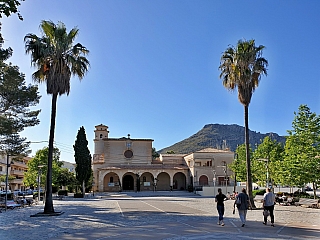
[163, 182]
[179, 181]
[111, 182]
[203, 180]
[128, 182]
[146, 182]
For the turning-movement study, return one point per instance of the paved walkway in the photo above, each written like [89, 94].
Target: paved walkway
[160, 215]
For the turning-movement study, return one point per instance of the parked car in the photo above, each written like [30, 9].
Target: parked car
[307, 188]
[4, 192]
[29, 192]
[17, 192]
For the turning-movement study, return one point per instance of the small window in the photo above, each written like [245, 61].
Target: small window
[1, 168]
[111, 179]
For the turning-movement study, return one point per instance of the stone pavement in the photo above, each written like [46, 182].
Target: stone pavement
[154, 215]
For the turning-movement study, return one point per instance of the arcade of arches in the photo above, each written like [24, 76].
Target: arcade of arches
[144, 181]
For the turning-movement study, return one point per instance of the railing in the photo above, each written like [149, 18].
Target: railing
[17, 172]
[16, 181]
[19, 164]
[217, 184]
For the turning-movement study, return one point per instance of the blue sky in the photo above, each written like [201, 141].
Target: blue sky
[154, 66]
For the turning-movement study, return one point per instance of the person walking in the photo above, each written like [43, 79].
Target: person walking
[242, 203]
[268, 206]
[220, 198]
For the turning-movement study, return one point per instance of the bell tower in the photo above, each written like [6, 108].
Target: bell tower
[100, 132]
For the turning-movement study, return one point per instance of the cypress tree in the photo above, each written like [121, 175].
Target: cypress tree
[82, 158]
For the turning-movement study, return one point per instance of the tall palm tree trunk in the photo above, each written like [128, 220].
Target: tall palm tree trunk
[248, 162]
[83, 189]
[48, 207]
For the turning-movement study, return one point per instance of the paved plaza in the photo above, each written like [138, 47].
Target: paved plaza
[160, 215]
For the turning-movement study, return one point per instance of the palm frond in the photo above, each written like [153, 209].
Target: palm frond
[241, 67]
[55, 56]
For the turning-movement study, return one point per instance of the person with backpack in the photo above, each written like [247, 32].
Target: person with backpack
[242, 202]
[220, 198]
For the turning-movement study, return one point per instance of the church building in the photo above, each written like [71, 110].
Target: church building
[126, 164]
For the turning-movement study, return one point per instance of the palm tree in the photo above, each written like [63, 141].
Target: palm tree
[56, 60]
[241, 68]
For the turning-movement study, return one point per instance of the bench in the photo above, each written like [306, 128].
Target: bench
[314, 203]
[258, 198]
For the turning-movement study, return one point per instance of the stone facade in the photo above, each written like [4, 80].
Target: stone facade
[126, 164]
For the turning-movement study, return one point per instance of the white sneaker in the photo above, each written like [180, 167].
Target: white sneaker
[218, 223]
[222, 224]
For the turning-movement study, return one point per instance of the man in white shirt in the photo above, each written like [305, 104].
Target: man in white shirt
[268, 205]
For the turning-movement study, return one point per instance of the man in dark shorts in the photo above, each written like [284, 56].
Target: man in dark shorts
[220, 198]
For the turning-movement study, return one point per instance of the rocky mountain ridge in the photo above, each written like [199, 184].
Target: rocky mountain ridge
[220, 136]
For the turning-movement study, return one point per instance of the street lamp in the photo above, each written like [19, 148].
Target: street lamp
[138, 181]
[93, 186]
[225, 174]
[214, 182]
[235, 172]
[39, 180]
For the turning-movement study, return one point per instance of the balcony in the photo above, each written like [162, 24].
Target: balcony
[19, 164]
[16, 181]
[17, 173]
[98, 159]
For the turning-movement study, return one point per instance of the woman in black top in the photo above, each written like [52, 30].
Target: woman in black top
[220, 198]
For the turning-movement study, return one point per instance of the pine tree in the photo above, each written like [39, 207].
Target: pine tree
[83, 159]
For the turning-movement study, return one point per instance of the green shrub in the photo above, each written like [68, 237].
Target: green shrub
[55, 189]
[63, 193]
[78, 195]
[301, 194]
[258, 192]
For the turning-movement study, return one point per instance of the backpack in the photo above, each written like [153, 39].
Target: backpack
[238, 201]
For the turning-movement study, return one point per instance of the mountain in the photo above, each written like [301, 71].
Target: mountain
[219, 136]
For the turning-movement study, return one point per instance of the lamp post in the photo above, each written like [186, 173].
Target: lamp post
[39, 180]
[138, 181]
[225, 174]
[214, 182]
[235, 172]
[93, 186]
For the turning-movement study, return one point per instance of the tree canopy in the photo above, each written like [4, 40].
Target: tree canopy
[266, 158]
[8, 7]
[16, 100]
[41, 159]
[302, 149]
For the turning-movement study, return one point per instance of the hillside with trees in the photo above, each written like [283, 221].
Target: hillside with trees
[219, 136]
